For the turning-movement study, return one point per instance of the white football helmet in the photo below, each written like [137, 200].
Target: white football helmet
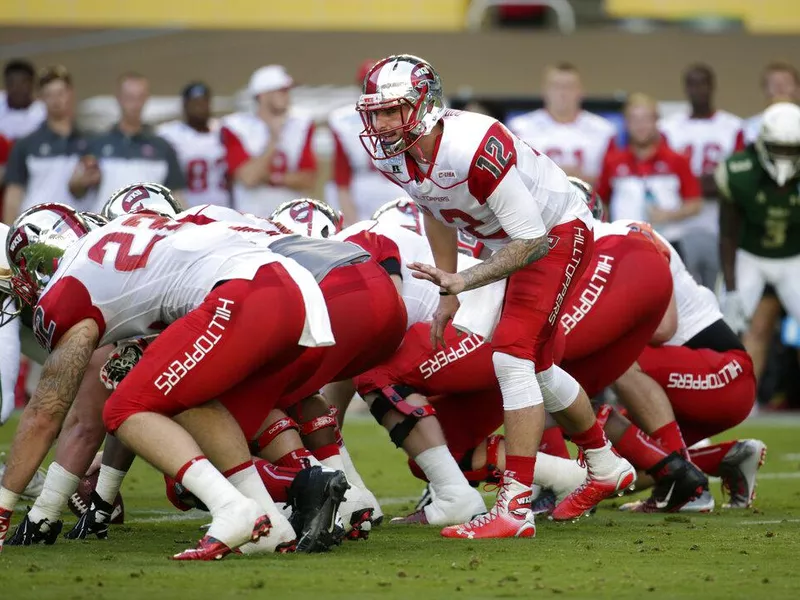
[403, 81]
[94, 220]
[308, 217]
[778, 142]
[593, 201]
[402, 212]
[8, 310]
[35, 244]
[137, 197]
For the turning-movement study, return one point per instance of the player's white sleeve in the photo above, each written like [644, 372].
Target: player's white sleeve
[516, 208]
[9, 366]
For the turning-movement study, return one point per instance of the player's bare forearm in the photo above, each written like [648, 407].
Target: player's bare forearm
[501, 264]
[12, 202]
[347, 204]
[729, 226]
[301, 181]
[443, 241]
[43, 416]
[255, 171]
[688, 208]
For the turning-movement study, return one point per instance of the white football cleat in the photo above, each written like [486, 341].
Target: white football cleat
[738, 472]
[281, 538]
[356, 512]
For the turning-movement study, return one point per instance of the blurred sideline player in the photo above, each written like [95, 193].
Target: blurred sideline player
[647, 180]
[706, 135]
[467, 171]
[780, 82]
[760, 230]
[197, 142]
[575, 139]
[360, 187]
[269, 150]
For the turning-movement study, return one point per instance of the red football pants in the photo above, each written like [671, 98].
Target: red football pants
[614, 311]
[230, 336]
[458, 380]
[536, 295]
[368, 320]
[710, 391]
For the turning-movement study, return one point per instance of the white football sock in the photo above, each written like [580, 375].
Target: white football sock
[108, 483]
[441, 469]
[250, 484]
[59, 485]
[562, 475]
[349, 468]
[209, 485]
[336, 463]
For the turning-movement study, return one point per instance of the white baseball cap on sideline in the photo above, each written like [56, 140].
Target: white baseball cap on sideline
[269, 79]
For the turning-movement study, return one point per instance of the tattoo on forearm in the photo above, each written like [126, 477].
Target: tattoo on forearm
[62, 374]
[503, 263]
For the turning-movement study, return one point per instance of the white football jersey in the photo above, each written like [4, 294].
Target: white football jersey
[697, 306]
[15, 123]
[142, 272]
[420, 297]
[353, 167]
[752, 126]
[706, 142]
[579, 145]
[247, 135]
[203, 214]
[202, 159]
[487, 182]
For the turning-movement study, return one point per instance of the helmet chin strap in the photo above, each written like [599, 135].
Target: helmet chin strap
[785, 169]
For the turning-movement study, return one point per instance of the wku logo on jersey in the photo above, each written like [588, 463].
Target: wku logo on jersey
[134, 197]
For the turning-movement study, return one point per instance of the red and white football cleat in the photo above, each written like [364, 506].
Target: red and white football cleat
[212, 548]
[510, 517]
[608, 474]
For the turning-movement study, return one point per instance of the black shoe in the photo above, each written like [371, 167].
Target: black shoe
[94, 521]
[544, 503]
[677, 482]
[28, 533]
[315, 495]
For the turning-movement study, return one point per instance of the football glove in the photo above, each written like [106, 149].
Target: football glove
[733, 311]
[94, 521]
[121, 361]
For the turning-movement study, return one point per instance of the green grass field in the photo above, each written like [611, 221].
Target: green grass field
[726, 554]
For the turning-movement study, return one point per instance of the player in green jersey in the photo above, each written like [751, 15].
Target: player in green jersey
[760, 230]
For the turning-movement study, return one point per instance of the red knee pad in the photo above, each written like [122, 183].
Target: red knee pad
[319, 423]
[271, 432]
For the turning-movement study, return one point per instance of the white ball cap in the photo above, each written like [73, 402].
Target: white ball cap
[269, 79]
